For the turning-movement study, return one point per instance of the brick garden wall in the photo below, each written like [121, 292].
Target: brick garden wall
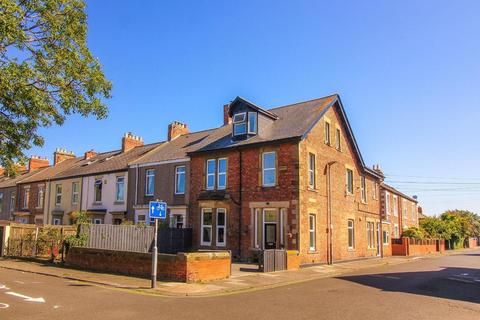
[182, 267]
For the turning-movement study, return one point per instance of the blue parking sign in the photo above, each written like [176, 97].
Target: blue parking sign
[157, 210]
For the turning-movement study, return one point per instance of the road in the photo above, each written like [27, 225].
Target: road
[433, 288]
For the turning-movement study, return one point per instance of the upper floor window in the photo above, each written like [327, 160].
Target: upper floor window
[387, 202]
[12, 201]
[269, 169]
[41, 194]
[149, 182]
[327, 132]
[414, 207]
[97, 188]
[120, 189]
[180, 180]
[239, 124]
[349, 182]
[252, 122]
[58, 194]
[216, 174]
[363, 188]
[375, 191]
[338, 143]
[26, 197]
[74, 192]
[311, 170]
[395, 206]
[211, 168]
[404, 208]
[222, 174]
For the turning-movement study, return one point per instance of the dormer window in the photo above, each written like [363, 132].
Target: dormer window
[240, 124]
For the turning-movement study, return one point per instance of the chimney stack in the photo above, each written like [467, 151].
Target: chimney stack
[61, 154]
[176, 129]
[129, 141]
[37, 162]
[226, 117]
[377, 169]
[89, 154]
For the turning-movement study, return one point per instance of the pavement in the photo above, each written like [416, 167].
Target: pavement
[244, 277]
[441, 287]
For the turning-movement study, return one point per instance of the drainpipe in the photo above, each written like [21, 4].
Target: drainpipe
[380, 228]
[48, 201]
[329, 213]
[240, 206]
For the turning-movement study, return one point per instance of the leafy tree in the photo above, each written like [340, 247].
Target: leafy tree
[46, 72]
[413, 232]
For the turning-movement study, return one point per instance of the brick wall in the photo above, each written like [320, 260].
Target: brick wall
[240, 234]
[33, 206]
[314, 200]
[182, 267]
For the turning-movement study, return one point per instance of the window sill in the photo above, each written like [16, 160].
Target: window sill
[99, 203]
[351, 250]
[149, 195]
[312, 252]
[119, 202]
[179, 193]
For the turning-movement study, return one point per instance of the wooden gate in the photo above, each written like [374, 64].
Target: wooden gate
[273, 260]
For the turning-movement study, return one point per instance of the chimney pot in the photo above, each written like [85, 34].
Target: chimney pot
[130, 141]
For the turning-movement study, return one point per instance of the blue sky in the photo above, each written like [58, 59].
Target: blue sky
[407, 71]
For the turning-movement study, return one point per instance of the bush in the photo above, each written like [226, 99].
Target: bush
[413, 232]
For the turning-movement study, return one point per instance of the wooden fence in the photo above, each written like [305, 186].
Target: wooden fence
[119, 238]
[273, 260]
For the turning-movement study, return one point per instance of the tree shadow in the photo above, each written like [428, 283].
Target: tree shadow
[461, 284]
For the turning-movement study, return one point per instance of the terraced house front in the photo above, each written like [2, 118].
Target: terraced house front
[291, 177]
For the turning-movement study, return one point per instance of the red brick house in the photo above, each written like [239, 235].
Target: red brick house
[291, 177]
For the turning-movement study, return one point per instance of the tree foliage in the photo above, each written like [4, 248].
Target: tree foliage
[46, 72]
[413, 232]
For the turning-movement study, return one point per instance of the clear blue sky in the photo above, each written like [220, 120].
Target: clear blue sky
[407, 71]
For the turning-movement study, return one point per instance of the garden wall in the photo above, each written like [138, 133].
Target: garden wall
[414, 247]
[182, 267]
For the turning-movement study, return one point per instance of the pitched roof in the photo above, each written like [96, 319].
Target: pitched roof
[51, 171]
[393, 190]
[12, 182]
[294, 121]
[106, 162]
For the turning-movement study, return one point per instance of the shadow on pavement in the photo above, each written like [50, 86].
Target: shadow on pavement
[461, 284]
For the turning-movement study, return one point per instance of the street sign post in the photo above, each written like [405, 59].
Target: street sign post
[156, 210]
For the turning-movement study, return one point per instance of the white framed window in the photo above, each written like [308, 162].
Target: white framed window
[395, 206]
[386, 238]
[180, 180]
[387, 203]
[57, 221]
[252, 122]
[371, 234]
[414, 211]
[256, 235]
[120, 189]
[349, 182]
[239, 124]
[206, 227]
[327, 133]
[221, 227]
[97, 190]
[58, 194]
[311, 170]
[363, 188]
[1, 201]
[26, 197]
[312, 232]
[149, 182]
[375, 191]
[269, 169]
[338, 141]
[396, 231]
[12, 201]
[211, 168]
[41, 196]
[97, 221]
[404, 209]
[222, 174]
[75, 192]
[351, 234]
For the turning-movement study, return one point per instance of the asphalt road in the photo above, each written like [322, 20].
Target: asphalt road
[434, 288]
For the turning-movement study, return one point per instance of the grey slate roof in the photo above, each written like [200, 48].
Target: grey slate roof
[293, 121]
[12, 182]
[106, 162]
